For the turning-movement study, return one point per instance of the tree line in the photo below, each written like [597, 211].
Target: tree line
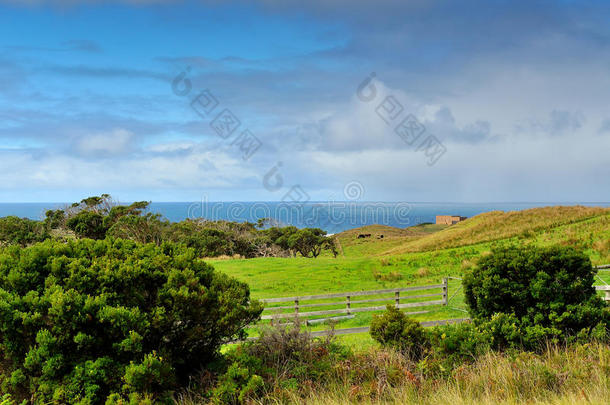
[99, 217]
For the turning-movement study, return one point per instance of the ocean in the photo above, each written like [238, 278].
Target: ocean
[333, 217]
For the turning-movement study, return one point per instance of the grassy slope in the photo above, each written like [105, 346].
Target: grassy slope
[499, 225]
[409, 255]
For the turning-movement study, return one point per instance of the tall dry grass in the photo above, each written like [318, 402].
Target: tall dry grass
[498, 225]
[575, 375]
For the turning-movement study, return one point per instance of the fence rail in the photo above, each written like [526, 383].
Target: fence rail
[605, 288]
[348, 303]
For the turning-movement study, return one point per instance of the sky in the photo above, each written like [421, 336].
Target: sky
[412, 100]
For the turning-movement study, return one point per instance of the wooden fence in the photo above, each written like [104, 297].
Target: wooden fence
[605, 288]
[349, 306]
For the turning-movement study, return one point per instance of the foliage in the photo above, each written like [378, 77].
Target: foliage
[459, 343]
[541, 293]
[21, 231]
[576, 373]
[85, 319]
[94, 216]
[88, 224]
[215, 238]
[394, 329]
[284, 356]
[148, 228]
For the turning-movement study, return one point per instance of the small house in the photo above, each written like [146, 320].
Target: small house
[448, 219]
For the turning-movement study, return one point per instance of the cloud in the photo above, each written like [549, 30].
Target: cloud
[564, 121]
[513, 90]
[559, 122]
[605, 126]
[74, 45]
[110, 144]
[107, 72]
[83, 45]
[12, 76]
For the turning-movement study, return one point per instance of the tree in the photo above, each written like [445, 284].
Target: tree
[94, 216]
[309, 242]
[149, 228]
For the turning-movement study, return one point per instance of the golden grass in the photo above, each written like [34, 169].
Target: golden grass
[577, 375]
[498, 225]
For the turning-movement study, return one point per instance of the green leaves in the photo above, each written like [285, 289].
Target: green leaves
[547, 291]
[393, 328]
[82, 320]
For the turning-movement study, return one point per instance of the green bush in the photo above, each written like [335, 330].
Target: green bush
[87, 319]
[88, 224]
[21, 231]
[543, 294]
[393, 328]
[283, 357]
[458, 343]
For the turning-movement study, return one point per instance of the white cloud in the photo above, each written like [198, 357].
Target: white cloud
[114, 143]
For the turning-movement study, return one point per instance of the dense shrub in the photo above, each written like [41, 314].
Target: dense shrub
[544, 293]
[283, 357]
[148, 228]
[21, 231]
[393, 328]
[86, 319]
[88, 224]
[458, 343]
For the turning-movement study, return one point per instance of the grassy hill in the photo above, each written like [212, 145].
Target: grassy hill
[382, 238]
[422, 255]
[498, 225]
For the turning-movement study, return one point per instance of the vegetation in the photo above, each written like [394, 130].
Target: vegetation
[21, 231]
[88, 320]
[535, 294]
[520, 299]
[577, 374]
[497, 225]
[99, 217]
[394, 329]
[78, 320]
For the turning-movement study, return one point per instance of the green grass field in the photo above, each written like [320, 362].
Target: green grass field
[407, 257]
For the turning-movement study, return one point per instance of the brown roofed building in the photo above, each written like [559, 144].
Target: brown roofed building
[448, 219]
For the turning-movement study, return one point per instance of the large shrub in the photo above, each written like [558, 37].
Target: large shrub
[283, 357]
[21, 231]
[544, 293]
[394, 329]
[83, 320]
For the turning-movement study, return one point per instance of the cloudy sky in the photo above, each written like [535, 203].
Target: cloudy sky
[469, 101]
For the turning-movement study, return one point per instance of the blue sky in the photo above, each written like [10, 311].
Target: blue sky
[515, 93]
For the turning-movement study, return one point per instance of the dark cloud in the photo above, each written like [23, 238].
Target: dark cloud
[559, 122]
[564, 121]
[444, 126]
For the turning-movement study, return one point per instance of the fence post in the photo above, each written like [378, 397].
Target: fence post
[445, 291]
[397, 298]
[608, 295]
[348, 304]
[296, 307]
